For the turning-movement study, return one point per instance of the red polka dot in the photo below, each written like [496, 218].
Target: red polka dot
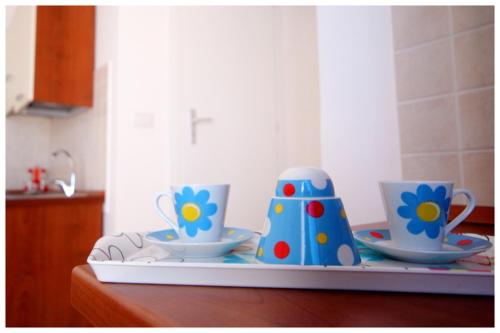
[464, 242]
[315, 209]
[376, 234]
[281, 250]
[289, 190]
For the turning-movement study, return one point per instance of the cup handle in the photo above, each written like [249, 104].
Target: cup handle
[466, 212]
[162, 214]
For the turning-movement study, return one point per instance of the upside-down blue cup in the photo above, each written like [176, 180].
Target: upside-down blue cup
[306, 224]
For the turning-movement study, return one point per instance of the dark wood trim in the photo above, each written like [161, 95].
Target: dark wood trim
[480, 214]
[91, 196]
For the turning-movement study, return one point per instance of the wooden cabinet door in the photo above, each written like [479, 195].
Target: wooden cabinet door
[64, 67]
[44, 242]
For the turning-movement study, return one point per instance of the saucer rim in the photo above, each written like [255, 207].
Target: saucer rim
[413, 251]
[170, 242]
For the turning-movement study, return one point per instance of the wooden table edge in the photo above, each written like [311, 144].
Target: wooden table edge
[87, 290]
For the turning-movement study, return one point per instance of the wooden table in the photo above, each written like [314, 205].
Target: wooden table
[114, 304]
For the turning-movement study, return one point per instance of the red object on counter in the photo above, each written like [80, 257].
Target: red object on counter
[37, 183]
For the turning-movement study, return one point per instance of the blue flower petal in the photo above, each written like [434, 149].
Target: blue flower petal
[446, 205]
[178, 197]
[432, 230]
[178, 207]
[191, 229]
[440, 193]
[406, 211]
[210, 209]
[409, 198]
[204, 224]
[424, 193]
[202, 197]
[187, 193]
[416, 226]
[181, 221]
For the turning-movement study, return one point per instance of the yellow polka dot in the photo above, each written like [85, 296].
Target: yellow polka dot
[322, 238]
[278, 208]
[367, 238]
[260, 252]
[343, 213]
[230, 232]
[170, 237]
[190, 212]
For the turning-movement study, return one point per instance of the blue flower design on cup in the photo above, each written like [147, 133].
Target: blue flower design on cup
[426, 209]
[193, 210]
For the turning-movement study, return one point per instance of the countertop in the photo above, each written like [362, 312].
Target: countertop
[115, 304]
[16, 197]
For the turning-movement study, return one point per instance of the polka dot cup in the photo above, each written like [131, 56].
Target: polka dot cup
[306, 224]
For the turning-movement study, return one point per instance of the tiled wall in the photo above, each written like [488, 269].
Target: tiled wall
[445, 92]
[31, 140]
[27, 142]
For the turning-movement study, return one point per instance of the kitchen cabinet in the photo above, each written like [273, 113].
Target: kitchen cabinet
[58, 76]
[45, 239]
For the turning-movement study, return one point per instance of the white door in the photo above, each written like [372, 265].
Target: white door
[224, 69]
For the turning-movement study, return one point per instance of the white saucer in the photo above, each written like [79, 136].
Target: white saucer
[168, 240]
[455, 247]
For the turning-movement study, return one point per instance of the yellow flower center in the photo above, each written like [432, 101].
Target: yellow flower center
[428, 211]
[190, 212]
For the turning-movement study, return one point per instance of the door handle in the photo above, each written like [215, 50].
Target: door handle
[194, 120]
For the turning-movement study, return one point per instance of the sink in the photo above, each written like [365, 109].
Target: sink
[16, 195]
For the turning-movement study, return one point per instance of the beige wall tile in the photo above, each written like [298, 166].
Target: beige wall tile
[474, 58]
[27, 144]
[432, 167]
[476, 112]
[479, 176]
[424, 71]
[469, 17]
[428, 126]
[417, 24]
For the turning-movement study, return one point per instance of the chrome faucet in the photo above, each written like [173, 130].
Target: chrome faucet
[68, 189]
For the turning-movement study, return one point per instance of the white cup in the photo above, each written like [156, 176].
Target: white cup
[417, 212]
[200, 211]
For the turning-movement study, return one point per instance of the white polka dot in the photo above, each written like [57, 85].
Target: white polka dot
[345, 255]
[267, 227]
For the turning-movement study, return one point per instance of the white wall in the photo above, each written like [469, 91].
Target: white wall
[138, 135]
[359, 125]
[297, 86]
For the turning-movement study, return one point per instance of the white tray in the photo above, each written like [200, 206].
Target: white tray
[130, 258]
